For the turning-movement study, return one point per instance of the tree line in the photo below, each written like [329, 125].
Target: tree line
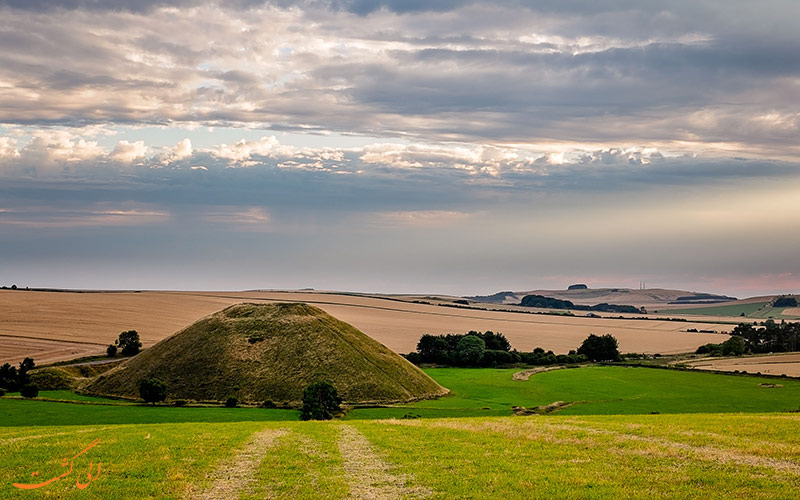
[543, 302]
[489, 349]
[754, 339]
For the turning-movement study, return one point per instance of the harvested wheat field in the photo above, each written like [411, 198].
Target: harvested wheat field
[54, 326]
[774, 364]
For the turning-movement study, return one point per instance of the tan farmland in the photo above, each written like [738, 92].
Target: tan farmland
[775, 364]
[51, 326]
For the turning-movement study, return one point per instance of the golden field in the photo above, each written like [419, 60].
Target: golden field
[774, 364]
[53, 326]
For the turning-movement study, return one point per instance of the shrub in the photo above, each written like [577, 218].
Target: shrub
[320, 402]
[2, 393]
[268, 404]
[152, 390]
[179, 402]
[29, 391]
[600, 348]
[111, 351]
[231, 402]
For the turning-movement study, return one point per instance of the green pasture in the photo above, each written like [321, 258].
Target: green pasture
[754, 310]
[475, 393]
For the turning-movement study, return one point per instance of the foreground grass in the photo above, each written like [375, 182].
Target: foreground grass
[654, 456]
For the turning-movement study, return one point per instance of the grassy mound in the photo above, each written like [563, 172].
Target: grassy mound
[259, 352]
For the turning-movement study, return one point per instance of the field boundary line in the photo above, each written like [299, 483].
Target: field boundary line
[369, 476]
[236, 474]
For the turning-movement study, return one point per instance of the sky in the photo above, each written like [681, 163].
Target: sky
[400, 146]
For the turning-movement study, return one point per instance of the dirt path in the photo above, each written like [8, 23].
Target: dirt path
[235, 474]
[526, 374]
[369, 476]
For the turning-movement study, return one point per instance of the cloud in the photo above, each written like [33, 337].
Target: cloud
[99, 215]
[420, 218]
[690, 73]
[127, 152]
[256, 218]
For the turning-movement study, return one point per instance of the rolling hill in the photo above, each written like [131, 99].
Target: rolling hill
[649, 298]
[259, 352]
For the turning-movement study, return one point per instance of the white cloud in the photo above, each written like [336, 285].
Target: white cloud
[8, 148]
[127, 152]
[182, 150]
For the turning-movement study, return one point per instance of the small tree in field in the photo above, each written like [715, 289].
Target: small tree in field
[152, 390]
[129, 343]
[111, 351]
[600, 348]
[320, 402]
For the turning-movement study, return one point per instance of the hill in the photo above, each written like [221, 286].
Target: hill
[259, 352]
[648, 298]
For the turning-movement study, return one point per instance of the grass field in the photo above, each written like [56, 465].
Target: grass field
[627, 457]
[476, 393]
[597, 390]
[54, 326]
[726, 310]
[752, 310]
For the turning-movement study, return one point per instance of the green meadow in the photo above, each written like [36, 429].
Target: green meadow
[717, 436]
[475, 392]
[754, 310]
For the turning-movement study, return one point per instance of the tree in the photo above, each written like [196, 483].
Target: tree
[734, 346]
[495, 341]
[152, 390]
[129, 343]
[25, 366]
[29, 391]
[111, 351]
[320, 401]
[433, 348]
[9, 378]
[470, 350]
[231, 402]
[600, 348]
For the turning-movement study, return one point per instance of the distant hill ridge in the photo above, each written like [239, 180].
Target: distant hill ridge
[592, 296]
[259, 352]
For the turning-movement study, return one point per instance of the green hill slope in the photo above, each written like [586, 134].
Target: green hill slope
[259, 352]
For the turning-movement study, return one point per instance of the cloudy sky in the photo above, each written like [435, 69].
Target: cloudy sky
[393, 146]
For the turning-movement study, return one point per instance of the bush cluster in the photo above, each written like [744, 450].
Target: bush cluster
[12, 378]
[478, 349]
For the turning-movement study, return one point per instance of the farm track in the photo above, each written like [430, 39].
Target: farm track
[370, 477]
[236, 475]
